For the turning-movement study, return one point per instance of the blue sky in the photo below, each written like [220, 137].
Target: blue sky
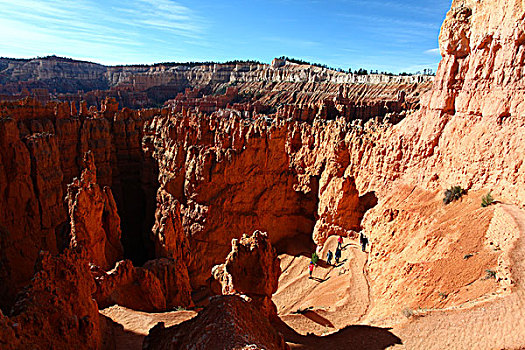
[385, 35]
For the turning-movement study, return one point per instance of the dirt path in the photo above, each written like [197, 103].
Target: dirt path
[130, 326]
[337, 297]
[496, 324]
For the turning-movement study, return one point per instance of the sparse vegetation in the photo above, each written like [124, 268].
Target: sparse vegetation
[360, 71]
[180, 308]
[490, 274]
[408, 312]
[327, 330]
[453, 193]
[443, 295]
[467, 256]
[220, 91]
[487, 200]
[315, 258]
[300, 311]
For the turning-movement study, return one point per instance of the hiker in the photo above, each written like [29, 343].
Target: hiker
[337, 255]
[363, 240]
[311, 268]
[329, 257]
[340, 242]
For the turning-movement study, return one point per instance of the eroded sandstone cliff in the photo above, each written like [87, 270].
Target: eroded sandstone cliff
[42, 150]
[304, 160]
[56, 310]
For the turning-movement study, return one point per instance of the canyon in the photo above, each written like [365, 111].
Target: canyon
[191, 223]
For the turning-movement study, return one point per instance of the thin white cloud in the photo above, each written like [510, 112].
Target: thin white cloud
[433, 52]
[394, 5]
[76, 28]
[383, 20]
[292, 42]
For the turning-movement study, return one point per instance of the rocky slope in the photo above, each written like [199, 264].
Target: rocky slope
[56, 310]
[228, 322]
[306, 159]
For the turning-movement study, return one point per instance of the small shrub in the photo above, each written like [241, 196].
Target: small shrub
[300, 311]
[467, 256]
[453, 193]
[443, 295]
[487, 200]
[490, 274]
[180, 308]
[220, 91]
[315, 258]
[408, 312]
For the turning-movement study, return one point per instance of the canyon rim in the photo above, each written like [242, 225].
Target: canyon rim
[177, 206]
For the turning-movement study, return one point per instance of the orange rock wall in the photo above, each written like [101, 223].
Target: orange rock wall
[42, 148]
[56, 310]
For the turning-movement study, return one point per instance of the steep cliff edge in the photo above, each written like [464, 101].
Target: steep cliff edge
[470, 130]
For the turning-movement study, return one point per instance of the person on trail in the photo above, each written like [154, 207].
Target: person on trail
[340, 242]
[363, 240]
[329, 256]
[311, 268]
[315, 258]
[337, 255]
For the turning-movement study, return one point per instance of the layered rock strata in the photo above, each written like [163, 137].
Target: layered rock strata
[142, 86]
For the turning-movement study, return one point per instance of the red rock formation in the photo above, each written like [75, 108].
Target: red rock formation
[41, 155]
[218, 200]
[221, 175]
[227, 323]
[95, 224]
[126, 285]
[21, 214]
[8, 338]
[174, 281]
[56, 310]
[152, 288]
[251, 268]
[341, 209]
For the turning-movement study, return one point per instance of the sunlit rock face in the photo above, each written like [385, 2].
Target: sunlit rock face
[251, 270]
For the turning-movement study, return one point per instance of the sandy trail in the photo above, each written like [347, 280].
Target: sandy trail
[340, 299]
[337, 296]
[496, 324]
[130, 326]
[334, 306]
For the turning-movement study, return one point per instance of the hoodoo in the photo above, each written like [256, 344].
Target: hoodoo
[127, 193]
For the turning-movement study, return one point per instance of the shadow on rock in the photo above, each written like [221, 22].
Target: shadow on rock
[320, 280]
[351, 337]
[314, 316]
